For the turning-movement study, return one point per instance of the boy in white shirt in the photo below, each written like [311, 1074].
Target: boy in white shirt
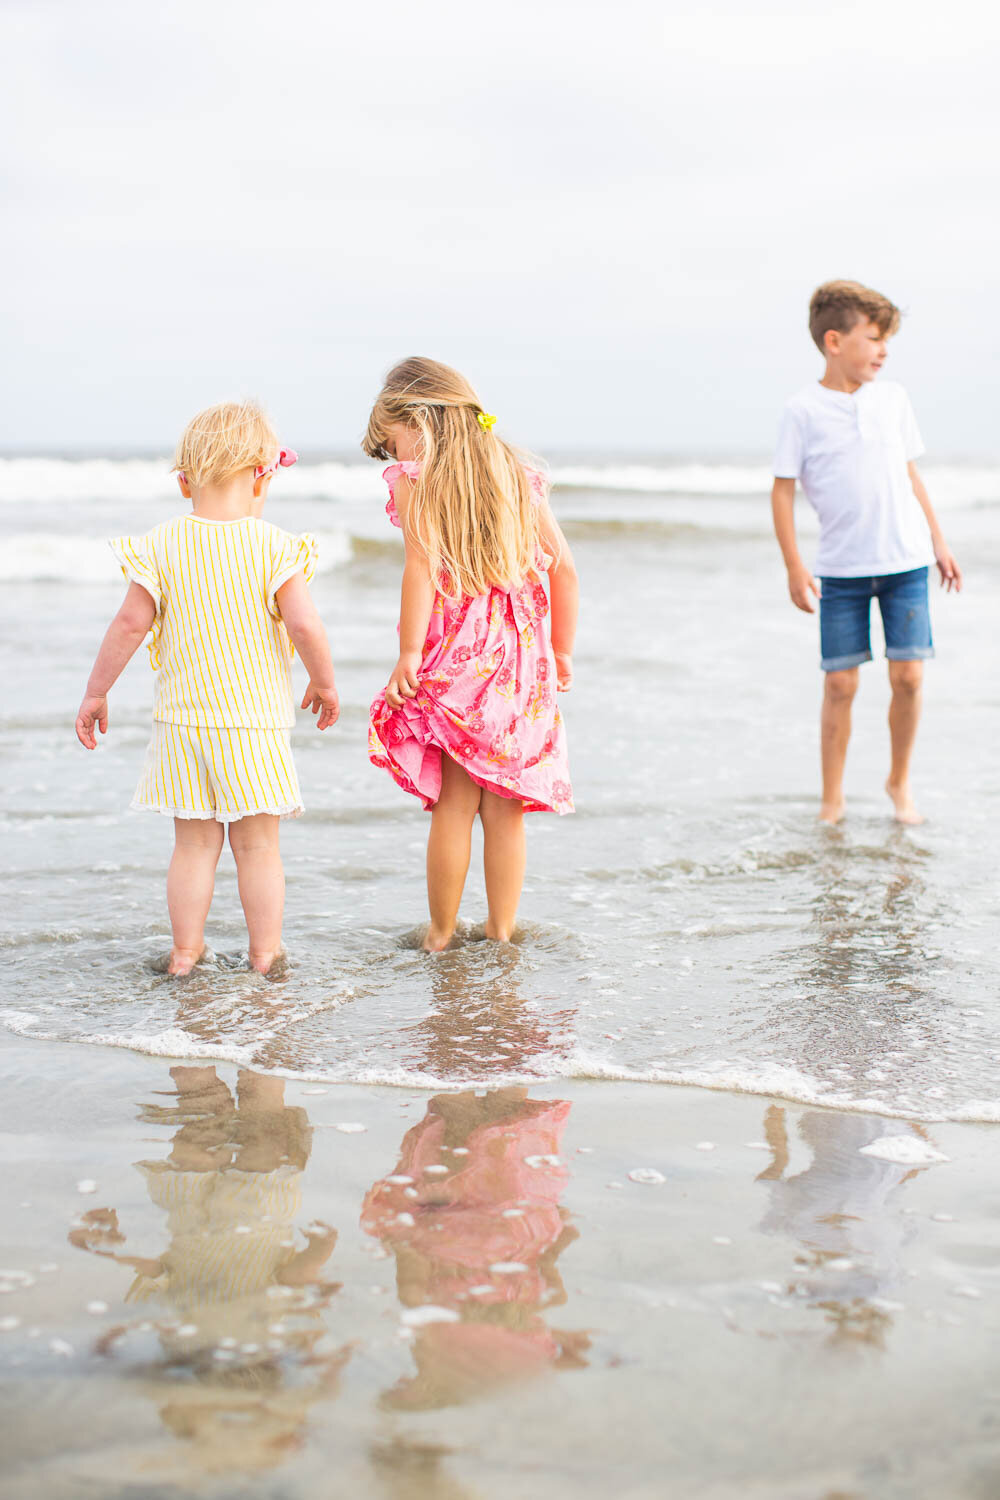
[853, 445]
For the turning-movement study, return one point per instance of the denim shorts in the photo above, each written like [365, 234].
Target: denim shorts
[845, 619]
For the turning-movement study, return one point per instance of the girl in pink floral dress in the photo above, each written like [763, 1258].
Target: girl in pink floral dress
[468, 721]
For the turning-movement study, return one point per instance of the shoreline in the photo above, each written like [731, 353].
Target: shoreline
[580, 1287]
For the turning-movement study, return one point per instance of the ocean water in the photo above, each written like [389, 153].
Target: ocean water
[691, 923]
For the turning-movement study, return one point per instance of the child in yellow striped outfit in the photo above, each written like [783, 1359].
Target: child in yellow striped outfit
[225, 597]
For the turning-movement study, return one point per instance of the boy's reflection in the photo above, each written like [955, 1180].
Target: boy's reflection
[233, 1297]
[842, 1211]
[472, 1215]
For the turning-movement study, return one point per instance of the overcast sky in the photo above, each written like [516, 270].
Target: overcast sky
[610, 216]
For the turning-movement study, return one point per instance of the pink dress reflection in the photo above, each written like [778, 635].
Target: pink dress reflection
[480, 1238]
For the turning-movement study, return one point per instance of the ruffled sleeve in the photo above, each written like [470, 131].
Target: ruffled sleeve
[289, 555]
[137, 561]
[391, 475]
[540, 485]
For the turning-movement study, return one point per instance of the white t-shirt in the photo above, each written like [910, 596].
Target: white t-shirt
[850, 453]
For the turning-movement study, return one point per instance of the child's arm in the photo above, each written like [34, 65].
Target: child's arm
[124, 636]
[305, 629]
[564, 595]
[415, 606]
[951, 573]
[800, 580]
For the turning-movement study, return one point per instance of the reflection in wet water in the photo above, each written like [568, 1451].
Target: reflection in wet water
[472, 1215]
[843, 1212]
[478, 1018]
[237, 1307]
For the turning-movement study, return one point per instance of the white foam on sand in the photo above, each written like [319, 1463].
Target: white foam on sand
[775, 1081]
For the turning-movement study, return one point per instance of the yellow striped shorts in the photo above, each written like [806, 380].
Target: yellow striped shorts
[195, 772]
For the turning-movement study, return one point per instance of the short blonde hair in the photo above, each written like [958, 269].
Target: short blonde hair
[840, 304]
[223, 440]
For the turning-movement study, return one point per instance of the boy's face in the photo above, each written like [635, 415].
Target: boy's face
[860, 353]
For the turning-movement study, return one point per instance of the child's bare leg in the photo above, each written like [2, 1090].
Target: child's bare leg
[261, 880]
[190, 883]
[448, 850]
[906, 679]
[503, 861]
[838, 696]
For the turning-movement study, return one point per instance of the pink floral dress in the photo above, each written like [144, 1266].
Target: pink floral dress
[487, 694]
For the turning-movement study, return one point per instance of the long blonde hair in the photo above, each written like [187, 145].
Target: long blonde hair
[472, 509]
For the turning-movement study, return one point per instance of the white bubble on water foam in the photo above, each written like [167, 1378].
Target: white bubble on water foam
[7, 1325]
[508, 1267]
[721, 1239]
[435, 1169]
[61, 1347]
[943, 1218]
[420, 1317]
[966, 1291]
[705, 1146]
[399, 1179]
[542, 1161]
[86, 1185]
[905, 1150]
[407, 1220]
[350, 1127]
[96, 1308]
[646, 1175]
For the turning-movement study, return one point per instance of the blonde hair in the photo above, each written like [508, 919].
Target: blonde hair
[472, 509]
[840, 304]
[222, 440]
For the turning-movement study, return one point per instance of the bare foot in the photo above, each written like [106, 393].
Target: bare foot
[902, 801]
[183, 960]
[832, 812]
[264, 959]
[436, 941]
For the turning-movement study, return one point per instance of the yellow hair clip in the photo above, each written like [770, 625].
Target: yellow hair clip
[486, 420]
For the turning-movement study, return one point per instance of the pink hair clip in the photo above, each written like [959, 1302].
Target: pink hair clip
[286, 457]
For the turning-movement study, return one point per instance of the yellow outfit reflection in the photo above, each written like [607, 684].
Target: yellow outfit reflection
[233, 1299]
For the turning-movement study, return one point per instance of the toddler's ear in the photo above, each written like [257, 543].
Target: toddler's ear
[185, 488]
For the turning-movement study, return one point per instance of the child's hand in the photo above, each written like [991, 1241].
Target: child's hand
[564, 671]
[951, 573]
[800, 584]
[92, 711]
[323, 701]
[403, 683]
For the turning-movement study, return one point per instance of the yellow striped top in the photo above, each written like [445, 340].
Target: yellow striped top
[218, 646]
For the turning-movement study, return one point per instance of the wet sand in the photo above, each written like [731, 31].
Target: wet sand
[212, 1286]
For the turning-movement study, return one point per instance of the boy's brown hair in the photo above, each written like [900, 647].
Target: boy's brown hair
[839, 305]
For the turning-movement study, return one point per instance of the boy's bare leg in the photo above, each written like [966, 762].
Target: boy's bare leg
[261, 880]
[190, 883]
[838, 696]
[503, 861]
[449, 847]
[906, 679]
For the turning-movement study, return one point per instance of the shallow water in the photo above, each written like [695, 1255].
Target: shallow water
[691, 923]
